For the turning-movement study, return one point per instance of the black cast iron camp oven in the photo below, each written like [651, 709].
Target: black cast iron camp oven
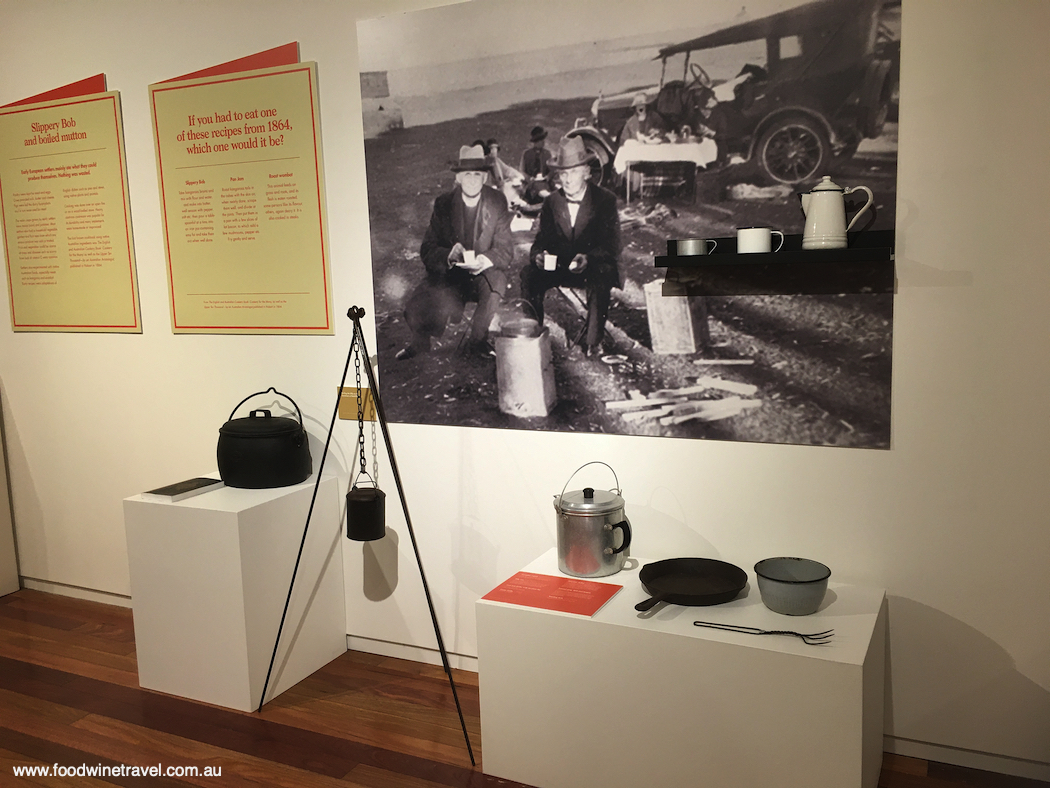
[263, 450]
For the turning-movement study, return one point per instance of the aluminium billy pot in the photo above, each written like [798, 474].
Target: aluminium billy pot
[593, 530]
[263, 450]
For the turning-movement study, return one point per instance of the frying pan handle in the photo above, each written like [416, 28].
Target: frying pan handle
[649, 604]
[625, 526]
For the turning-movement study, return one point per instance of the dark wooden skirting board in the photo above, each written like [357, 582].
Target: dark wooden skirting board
[69, 695]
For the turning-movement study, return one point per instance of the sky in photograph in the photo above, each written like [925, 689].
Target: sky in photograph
[484, 28]
[485, 55]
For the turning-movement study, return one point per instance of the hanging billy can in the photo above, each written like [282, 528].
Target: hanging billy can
[365, 513]
[524, 372]
[593, 530]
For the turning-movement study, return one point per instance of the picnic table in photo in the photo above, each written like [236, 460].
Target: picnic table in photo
[698, 154]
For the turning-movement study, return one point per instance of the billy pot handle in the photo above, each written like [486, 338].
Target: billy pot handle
[592, 462]
[275, 391]
[624, 526]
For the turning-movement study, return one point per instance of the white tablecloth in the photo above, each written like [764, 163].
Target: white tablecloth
[700, 153]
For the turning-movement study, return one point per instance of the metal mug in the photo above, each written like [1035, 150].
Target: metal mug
[695, 246]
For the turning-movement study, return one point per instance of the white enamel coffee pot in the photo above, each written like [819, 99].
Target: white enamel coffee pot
[825, 209]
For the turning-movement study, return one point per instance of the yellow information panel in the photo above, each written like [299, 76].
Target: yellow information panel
[67, 216]
[242, 192]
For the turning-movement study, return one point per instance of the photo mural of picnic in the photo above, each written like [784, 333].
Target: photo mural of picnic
[527, 165]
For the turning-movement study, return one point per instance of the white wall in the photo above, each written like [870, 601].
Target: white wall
[952, 521]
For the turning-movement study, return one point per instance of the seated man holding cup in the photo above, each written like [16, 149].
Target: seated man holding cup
[578, 242]
[465, 251]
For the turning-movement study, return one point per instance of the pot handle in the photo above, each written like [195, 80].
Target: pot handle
[592, 462]
[278, 393]
[624, 526]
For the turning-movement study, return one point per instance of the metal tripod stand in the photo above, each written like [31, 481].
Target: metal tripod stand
[355, 314]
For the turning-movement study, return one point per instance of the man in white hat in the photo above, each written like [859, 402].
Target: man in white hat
[580, 227]
[644, 124]
[466, 251]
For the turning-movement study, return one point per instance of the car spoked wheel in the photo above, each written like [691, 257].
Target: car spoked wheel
[793, 150]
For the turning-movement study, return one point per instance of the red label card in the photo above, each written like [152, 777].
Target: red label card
[564, 594]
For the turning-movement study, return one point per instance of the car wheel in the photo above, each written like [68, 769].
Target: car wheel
[793, 150]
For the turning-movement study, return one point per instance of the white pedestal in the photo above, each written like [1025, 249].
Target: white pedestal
[209, 579]
[647, 699]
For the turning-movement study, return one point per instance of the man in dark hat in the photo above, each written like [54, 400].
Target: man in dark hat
[466, 251]
[503, 175]
[534, 163]
[578, 242]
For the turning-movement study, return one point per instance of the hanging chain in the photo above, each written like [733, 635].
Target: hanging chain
[355, 346]
[360, 405]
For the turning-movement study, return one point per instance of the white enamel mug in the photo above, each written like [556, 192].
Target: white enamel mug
[757, 240]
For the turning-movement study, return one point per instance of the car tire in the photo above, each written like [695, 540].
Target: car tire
[793, 150]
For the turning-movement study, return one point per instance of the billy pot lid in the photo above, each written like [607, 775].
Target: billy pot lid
[589, 501]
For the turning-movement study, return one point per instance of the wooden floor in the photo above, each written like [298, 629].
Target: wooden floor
[69, 695]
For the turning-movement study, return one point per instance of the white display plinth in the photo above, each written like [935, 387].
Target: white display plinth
[648, 699]
[209, 580]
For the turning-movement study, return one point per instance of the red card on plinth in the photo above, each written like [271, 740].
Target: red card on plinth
[548, 592]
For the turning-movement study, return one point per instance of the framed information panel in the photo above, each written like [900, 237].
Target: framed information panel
[242, 194]
[67, 213]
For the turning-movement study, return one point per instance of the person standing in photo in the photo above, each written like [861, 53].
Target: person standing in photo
[534, 164]
[578, 242]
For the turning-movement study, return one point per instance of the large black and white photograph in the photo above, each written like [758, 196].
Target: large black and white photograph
[536, 171]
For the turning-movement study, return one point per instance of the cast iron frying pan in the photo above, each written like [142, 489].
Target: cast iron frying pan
[690, 581]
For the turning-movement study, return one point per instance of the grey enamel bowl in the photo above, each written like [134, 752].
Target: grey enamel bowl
[792, 586]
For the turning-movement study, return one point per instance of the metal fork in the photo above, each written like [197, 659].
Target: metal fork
[810, 639]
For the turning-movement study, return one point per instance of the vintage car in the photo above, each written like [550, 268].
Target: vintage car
[819, 79]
